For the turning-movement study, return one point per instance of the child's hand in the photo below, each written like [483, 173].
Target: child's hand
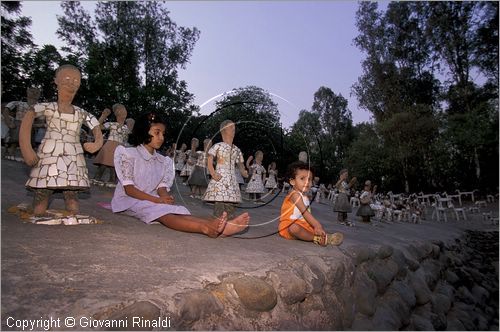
[166, 199]
[244, 174]
[217, 177]
[319, 231]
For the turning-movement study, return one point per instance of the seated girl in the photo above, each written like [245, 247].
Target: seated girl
[144, 180]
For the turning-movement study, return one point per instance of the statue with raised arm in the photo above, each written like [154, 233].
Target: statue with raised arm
[59, 163]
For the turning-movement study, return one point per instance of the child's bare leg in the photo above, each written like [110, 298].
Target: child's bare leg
[71, 201]
[191, 224]
[300, 233]
[41, 201]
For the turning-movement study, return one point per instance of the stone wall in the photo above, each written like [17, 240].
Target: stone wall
[423, 286]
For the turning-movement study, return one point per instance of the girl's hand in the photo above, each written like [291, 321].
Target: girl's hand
[166, 200]
[244, 174]
[217, 177]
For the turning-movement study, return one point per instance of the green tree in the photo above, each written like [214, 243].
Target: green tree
[367, 159]
[398, 85]
[304, 135]
[257, 121]
[457, 31]
[40, 65]
[16, 39]
[336, 132]
[131, 54]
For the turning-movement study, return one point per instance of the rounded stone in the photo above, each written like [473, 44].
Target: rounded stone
[419, 323]
[436, 250]
[405, 292]
[385, 319]
[393, 300]
[413, 265]
[383, 273]
[362, 323]
[441, 304]
[289, 286]
[197, 304]
[255, 294]
[422, 292]
[385, 251]
[145, 309]
[464, 295]
[365, 293]
[363, 254]
[480, 294]
[451, 277]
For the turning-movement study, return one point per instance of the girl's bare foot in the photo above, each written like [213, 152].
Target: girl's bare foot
[216, 226]
[237, 224]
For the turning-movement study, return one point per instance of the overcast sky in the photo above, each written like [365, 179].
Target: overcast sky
[288, 48]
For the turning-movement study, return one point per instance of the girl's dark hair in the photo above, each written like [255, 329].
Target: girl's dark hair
[296, 166]
[140, 133]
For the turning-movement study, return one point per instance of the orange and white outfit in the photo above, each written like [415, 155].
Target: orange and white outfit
[290, 214]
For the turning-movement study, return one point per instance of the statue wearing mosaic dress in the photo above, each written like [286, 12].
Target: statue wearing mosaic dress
[59, 164]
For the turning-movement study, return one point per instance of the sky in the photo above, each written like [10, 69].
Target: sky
[288, 48]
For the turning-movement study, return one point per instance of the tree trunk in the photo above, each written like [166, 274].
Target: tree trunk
[476, 162]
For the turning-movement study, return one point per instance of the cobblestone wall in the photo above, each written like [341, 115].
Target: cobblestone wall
[423, 286]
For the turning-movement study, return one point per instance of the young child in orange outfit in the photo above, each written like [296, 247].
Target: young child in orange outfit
[296, 219]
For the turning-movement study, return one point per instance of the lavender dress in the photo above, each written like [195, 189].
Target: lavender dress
[147, 172]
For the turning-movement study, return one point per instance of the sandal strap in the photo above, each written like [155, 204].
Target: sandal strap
[320, 240]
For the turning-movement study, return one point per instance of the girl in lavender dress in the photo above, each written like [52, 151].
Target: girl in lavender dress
[144, 180]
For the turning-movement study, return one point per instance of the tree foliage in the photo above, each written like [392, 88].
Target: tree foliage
[257, 121]
[417, 83]
[16, 39]
[130, 53]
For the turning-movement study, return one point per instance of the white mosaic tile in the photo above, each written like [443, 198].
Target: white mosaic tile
[59, 148]
[61, 166]
[53, 170]
[51, 182]
[49, 160]
[69, 149]
[49, 145]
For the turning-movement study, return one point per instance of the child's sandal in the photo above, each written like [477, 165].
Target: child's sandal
[335, 239]
[320, 240]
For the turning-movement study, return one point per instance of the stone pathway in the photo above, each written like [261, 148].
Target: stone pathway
[123, 268]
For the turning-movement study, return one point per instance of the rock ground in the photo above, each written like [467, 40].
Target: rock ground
[122, 264]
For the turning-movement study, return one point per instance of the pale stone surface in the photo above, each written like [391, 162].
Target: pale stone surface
[290, 287]
[255, 294]
[195, 305]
